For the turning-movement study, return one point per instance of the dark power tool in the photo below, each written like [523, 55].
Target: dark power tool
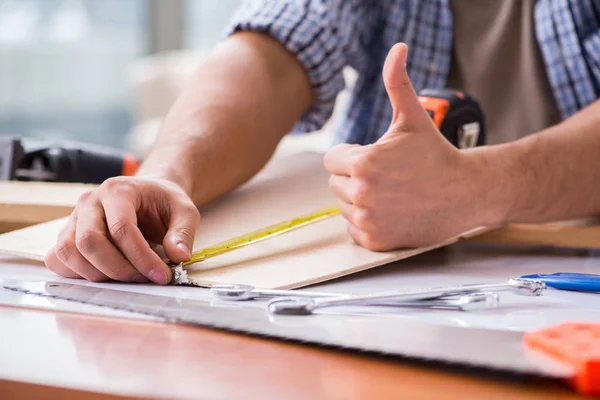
[456, 114]
[29, 160]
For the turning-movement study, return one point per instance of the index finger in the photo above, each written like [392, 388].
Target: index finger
[121, 220]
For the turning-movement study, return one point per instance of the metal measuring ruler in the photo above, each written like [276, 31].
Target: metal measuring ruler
[473, 347]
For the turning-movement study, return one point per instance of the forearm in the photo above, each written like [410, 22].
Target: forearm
[226, 125]
[549, 176]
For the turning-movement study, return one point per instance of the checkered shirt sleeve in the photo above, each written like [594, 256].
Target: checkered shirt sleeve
[321, 33]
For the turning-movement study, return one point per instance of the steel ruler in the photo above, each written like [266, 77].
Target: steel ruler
[494, 350]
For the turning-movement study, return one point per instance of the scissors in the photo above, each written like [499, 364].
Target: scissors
[240, 292]
[465, 302]
[569, 281]
[306, 305]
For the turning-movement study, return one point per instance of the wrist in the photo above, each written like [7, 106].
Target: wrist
[172, 169]
[501, 182]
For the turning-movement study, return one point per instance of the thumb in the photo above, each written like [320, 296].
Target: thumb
[403, 97]
[179, 239]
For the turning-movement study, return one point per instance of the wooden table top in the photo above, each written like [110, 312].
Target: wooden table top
[95, 357]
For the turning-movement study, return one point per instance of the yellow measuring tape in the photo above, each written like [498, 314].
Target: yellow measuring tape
[261, 234]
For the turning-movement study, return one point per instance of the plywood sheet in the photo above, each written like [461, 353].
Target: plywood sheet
[318, 252]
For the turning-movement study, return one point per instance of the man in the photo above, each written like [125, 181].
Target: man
[534, 65]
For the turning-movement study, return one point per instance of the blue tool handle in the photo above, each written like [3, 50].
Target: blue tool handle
[569, 281]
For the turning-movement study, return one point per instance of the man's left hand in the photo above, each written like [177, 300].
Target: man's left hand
[412, 187]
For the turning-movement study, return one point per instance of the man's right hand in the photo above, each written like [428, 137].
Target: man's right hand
[109, 234]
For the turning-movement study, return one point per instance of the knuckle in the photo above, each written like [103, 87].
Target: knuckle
[112, 183]
[123, 190]
[66, 231]
[185, 234]
[120, 229]
[363, 219]
[373, 242]
[85, 197]
[331, 181]
[362, 194]
[65, 250]
[366, 239]
[117, 185]
[88, 241]
[192, 212]
[362, 165]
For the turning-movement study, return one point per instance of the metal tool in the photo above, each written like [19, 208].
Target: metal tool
[305, 306]
[498, 349]
[490, 349]
[468, 302]
[240, 292]
[62, 161]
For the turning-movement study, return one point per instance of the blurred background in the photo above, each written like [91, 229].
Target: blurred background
[100, 71]
[107, 71]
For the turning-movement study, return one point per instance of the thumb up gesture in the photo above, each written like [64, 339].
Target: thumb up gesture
[412, 187]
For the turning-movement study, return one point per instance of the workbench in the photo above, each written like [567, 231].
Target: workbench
[49, 349]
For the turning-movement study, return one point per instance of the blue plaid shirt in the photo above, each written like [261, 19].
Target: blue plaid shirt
[328, 35]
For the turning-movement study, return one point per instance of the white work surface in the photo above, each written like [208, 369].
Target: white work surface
[455, 265]
[40, 348]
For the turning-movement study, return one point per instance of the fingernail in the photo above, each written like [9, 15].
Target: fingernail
[185, 248]
[158, 276]
[139, 278]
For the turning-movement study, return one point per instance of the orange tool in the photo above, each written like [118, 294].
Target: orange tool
[574, 345]
[456, 114]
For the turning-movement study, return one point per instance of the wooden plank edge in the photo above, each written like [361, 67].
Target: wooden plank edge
[566, 236]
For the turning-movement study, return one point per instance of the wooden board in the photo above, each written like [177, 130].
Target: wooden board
[572, 234]
[32, 242]
[28, 203]
[286, 188]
